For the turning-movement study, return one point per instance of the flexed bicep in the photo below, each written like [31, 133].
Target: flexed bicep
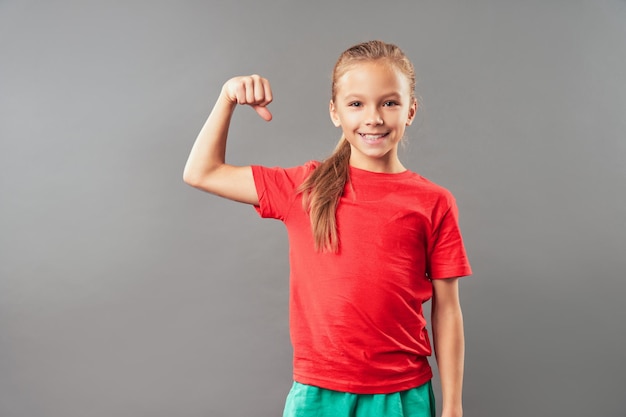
[232, 182]
[206, 168]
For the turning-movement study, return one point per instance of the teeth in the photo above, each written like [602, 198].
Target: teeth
[371, 137]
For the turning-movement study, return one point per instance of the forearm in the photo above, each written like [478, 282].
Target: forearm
[449, 342]
[209, 149]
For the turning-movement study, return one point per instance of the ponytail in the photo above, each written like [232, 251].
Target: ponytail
[321, 192]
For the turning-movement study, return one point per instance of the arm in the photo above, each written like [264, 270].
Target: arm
[449, 343]
[206, 168]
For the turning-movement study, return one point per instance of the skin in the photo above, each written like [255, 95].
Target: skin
[206, 167]
[449, 343]
[371, 98]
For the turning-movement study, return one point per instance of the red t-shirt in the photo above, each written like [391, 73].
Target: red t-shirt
[356, 318]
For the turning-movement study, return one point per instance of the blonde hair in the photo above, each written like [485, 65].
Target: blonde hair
[323, 188]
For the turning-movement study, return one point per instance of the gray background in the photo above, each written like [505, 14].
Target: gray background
[125, 292]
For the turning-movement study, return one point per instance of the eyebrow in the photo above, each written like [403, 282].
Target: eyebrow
[358, 96]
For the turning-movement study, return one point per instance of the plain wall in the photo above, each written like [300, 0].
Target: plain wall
[125, 292]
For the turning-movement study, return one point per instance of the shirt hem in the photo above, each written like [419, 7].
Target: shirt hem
[355, 388]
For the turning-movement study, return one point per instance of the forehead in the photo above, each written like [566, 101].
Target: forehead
[372, 78]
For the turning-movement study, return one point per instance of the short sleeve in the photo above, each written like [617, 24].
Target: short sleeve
[447, 256]
[277, 188]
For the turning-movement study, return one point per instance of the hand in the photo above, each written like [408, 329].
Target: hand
[252, 90]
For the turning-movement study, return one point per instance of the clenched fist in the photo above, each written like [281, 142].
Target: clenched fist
[252, 90]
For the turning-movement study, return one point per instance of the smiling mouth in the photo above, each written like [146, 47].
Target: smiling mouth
[368, 137]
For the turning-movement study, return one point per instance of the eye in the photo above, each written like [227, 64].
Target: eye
[390, 103]
[355, 104]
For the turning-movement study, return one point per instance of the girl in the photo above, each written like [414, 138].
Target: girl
[370, 241]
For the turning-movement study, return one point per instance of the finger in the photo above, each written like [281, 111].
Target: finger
[240, 93]
[249, 83]
[230, 90]
[268, 92]
[259, 90]
[263, 112]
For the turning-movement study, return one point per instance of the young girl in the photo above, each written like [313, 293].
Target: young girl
[370, 241]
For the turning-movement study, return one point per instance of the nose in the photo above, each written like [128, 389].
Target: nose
[374, 117]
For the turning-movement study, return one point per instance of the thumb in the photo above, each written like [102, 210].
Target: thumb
[263, 112]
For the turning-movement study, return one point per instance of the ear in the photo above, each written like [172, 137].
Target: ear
[333, 114]
[412, 112]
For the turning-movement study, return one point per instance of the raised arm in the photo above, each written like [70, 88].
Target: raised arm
[449, 343]
[206, 167]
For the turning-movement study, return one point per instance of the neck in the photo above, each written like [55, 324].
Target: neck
[391, 166]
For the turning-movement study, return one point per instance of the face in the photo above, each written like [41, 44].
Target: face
[373, 106]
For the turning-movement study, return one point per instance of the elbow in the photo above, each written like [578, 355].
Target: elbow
[188, 178]
[202, 180]
[191, 178]
[195, 182]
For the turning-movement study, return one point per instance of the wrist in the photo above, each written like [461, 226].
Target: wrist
[225, 98]
[456, 411]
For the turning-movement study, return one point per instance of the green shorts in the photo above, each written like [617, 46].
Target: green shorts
[309, 401]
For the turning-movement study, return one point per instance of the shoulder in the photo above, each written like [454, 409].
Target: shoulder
[426, 188]
[294, 175]
[302, 171]
[311, 165]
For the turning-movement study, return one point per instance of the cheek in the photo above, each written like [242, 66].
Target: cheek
[350, 120]
[399, 117]
[392, 117]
